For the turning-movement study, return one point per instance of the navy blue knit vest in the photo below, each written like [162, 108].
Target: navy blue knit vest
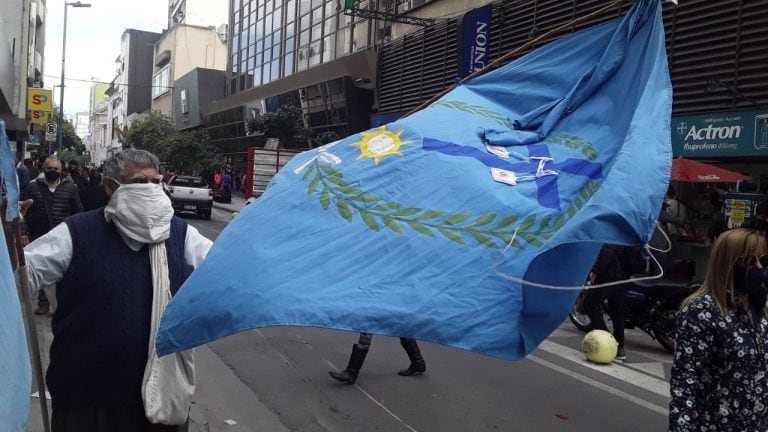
[101, 326]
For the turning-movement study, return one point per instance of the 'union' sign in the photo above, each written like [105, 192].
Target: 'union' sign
[474, 40]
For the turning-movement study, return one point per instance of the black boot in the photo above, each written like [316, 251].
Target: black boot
[418, 365]
[356, 359]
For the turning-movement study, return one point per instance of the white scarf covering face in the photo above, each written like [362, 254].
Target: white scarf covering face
[141, 212]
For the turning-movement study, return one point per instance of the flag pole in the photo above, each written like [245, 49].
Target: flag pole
[30, 316]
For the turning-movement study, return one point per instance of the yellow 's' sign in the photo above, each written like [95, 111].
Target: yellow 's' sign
[39, 117]
[39, 99]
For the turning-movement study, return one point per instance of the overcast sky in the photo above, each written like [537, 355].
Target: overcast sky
[93, 42]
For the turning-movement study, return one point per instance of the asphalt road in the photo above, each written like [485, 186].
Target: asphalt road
[285, 371]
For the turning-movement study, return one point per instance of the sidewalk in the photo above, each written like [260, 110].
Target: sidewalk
[222, 403]
[238, 202]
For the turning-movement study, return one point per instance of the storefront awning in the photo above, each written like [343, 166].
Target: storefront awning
[687, 170]
[361, 64]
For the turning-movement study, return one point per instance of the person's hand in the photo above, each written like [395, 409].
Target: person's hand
[24, 206]
[24, 240]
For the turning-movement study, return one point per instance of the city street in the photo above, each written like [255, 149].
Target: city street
[554, 389]
[276, 379]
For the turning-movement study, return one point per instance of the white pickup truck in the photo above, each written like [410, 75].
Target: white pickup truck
[191, 194]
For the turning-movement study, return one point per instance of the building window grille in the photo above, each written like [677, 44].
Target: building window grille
[161, 81]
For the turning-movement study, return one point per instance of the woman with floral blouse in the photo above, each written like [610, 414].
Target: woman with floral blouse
[720, 372]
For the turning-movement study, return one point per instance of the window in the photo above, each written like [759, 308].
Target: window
[288, 68]
[301, 60]
[329, 25]
[193, 182]
[290, 10]
[330, 9]
[257, 76]
[161, 81]
[184, 104]
[314, 53]
[304, 6]
[328, 49]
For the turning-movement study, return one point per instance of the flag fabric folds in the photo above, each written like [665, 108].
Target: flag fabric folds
[15, 370]
[408, 229]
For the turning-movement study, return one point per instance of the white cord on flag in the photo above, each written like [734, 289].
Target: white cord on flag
[669, 242]
[576, 287]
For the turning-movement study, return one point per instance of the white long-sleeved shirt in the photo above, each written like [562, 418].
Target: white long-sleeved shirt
[48, 257]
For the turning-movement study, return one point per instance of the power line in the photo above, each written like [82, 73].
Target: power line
[108, 82]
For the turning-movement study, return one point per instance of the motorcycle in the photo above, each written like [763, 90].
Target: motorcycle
[651, 306]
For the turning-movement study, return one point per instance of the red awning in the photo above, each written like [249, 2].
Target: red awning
[696, 172]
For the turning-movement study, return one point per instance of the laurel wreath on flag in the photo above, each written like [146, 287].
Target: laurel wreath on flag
[490, 229]
[476, 109]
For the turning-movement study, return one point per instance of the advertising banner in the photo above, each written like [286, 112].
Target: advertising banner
[721, 134]
[474, 40]
[39, 99]
[39, 117]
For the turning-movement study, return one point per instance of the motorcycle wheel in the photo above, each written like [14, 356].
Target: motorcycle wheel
[664, 328]
[578, 317]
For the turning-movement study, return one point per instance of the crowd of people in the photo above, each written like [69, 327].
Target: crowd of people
[103, 323]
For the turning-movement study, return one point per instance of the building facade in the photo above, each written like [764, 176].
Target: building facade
[716, 53]
[81, 122]
[22, 44]
[97, 122]
[304, 53]
[98, 131]
[193, 95]
[130, 92]
[202, 13]
[178, 52]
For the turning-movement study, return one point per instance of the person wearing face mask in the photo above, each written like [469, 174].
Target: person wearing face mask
[720, 371]
[109, 264]
[676, 209]
[75, 174]
[54, 199]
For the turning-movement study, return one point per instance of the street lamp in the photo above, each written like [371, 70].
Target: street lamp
[60, 130]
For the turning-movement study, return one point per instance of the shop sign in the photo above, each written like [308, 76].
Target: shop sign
[721, 134]
[39, 99]
[39, 117]
[474, 40]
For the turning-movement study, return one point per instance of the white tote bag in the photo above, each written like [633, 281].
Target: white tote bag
[169, 381]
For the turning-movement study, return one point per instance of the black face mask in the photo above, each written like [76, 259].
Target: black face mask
[751, 281]
[52, 175]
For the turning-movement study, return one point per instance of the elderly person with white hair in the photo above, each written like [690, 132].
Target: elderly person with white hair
[110, 265]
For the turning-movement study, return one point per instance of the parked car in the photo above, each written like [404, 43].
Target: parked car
[191, 194]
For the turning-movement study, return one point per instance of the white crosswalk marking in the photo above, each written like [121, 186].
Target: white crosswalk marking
[650, 383]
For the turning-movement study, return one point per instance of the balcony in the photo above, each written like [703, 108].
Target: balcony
[162, 58]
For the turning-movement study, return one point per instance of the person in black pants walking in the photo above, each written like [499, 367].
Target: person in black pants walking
[608, 268]
[359, 350]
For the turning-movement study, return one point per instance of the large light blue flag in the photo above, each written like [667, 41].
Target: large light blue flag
[15, 372]
[409, 229]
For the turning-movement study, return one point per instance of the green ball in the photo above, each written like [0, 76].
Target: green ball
[600, 347]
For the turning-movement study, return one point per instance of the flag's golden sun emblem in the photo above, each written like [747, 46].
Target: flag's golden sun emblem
[379, 143]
